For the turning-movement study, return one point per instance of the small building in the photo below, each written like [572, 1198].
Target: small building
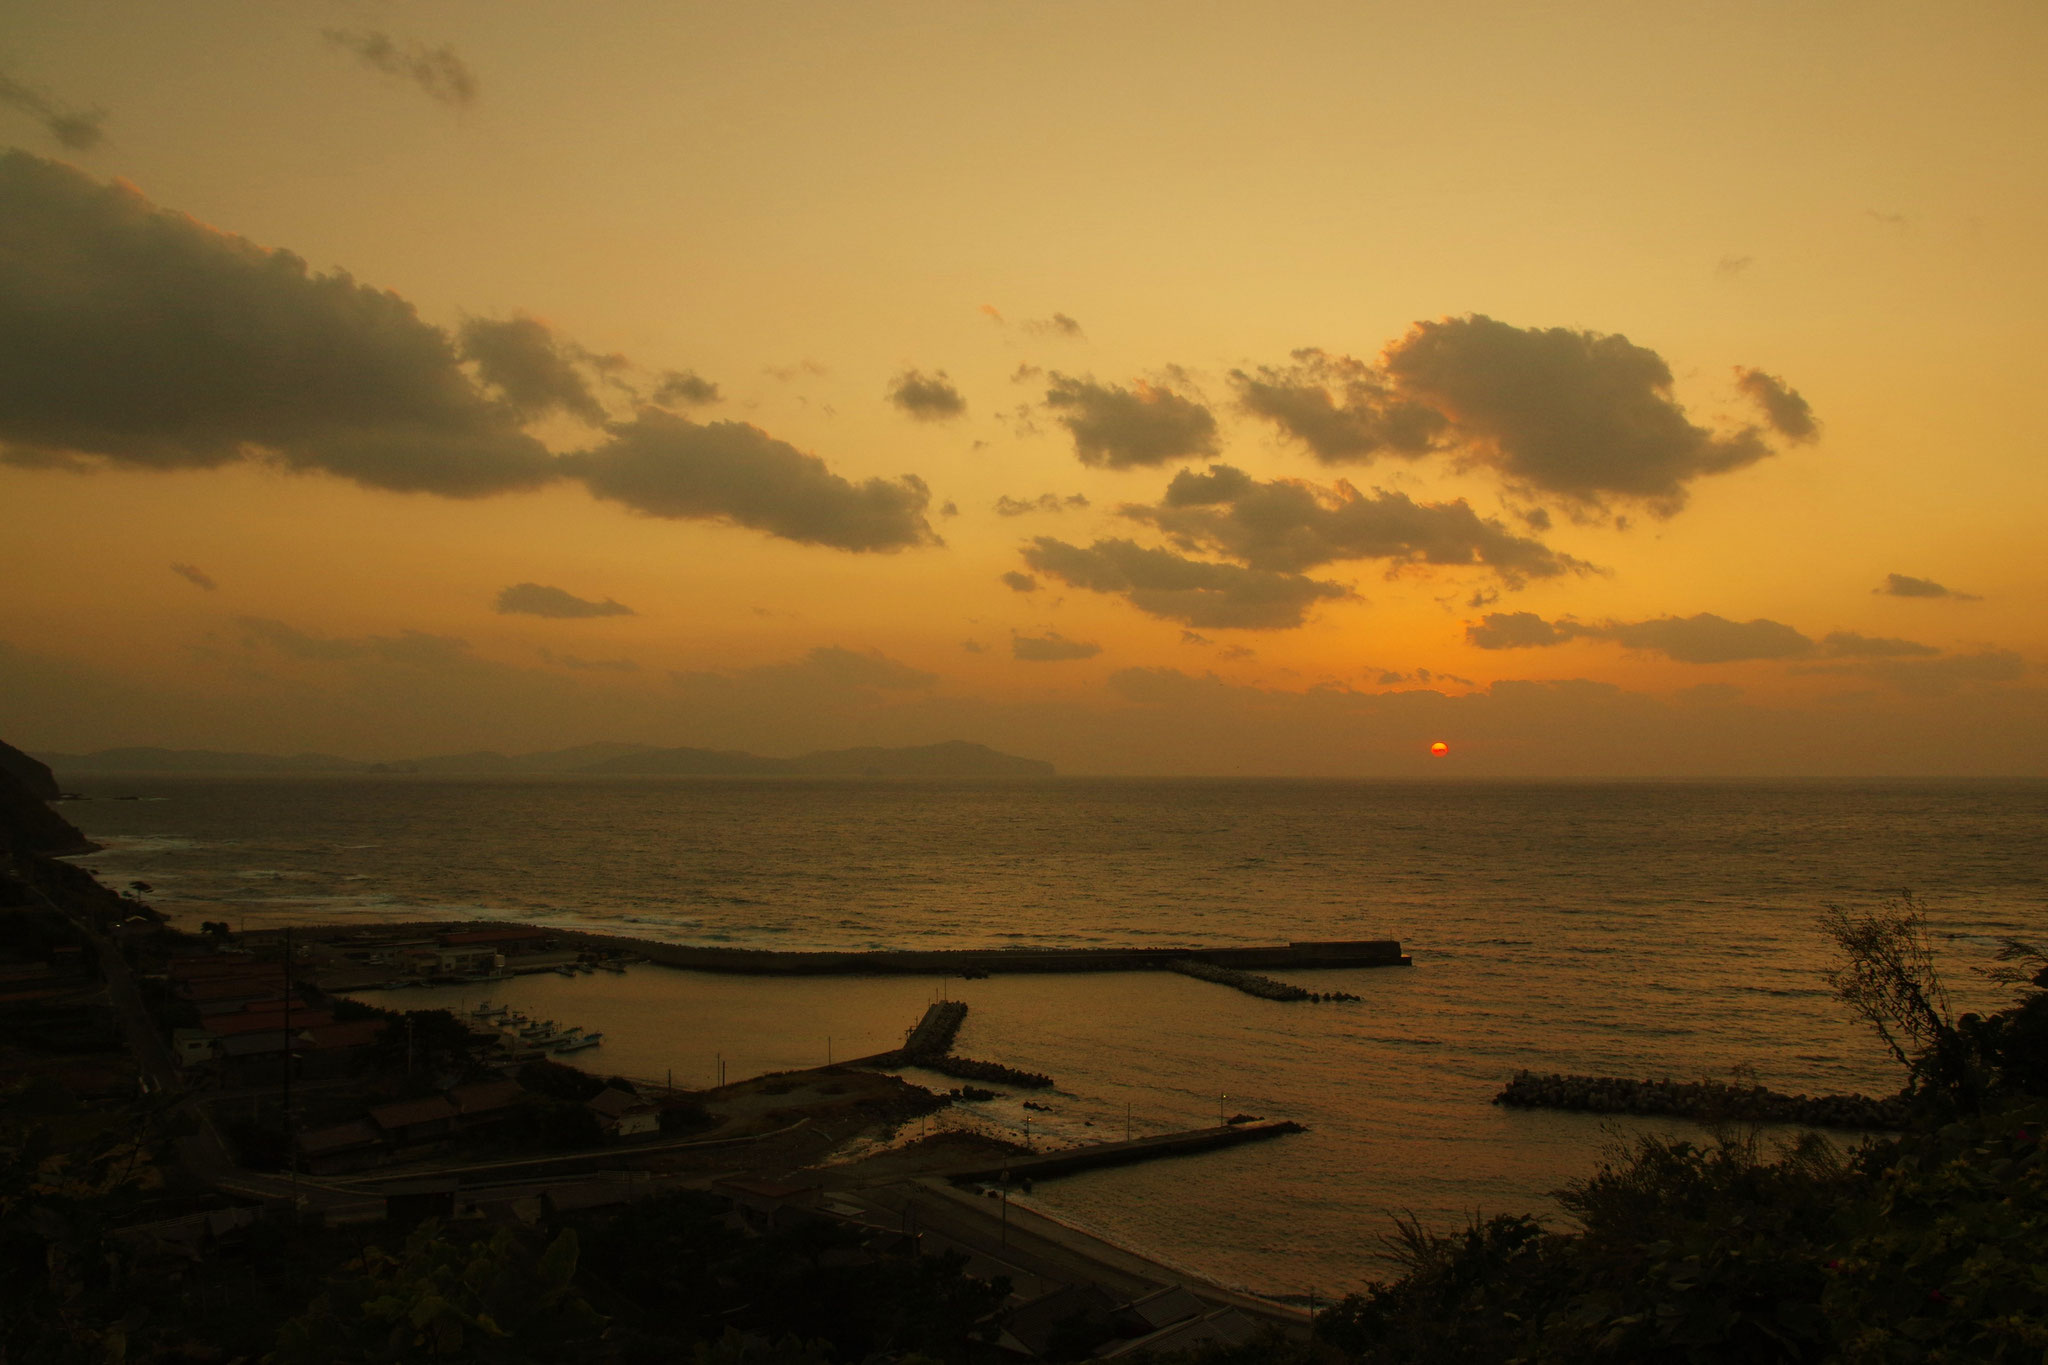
[622, 1114]
[194, 1046]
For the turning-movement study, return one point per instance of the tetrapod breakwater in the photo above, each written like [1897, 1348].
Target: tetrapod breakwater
[1704, 1101]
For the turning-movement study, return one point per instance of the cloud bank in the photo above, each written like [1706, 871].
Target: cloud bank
[1051, 647]
[135, 337]
[1701, 639]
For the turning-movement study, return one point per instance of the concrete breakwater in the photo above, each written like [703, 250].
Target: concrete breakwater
[934, 1034]
[1706, 1101]
[1074, 1159]
[1251, 983]
[965, 961]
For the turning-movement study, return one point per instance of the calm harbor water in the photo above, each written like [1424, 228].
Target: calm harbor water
[1638, 928]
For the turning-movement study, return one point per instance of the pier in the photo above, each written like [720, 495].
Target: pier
[1017, 1168]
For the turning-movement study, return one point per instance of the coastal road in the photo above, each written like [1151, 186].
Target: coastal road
[1048, 1249]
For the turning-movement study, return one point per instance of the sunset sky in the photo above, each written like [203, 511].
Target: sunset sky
[1598, 389]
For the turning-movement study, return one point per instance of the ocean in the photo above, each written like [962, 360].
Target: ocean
[1643, 929]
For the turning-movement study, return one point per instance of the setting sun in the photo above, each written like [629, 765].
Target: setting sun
[1439, 749]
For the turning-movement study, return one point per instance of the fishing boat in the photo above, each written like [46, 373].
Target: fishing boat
[579, 1043]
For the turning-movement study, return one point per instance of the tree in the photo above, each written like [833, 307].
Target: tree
[1887, 977]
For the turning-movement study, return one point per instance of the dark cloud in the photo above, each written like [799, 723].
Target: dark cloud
[928, 398]
[1701, 639]
[536, 371]
[1340, 408]
[194, 575]
[662, 465]
[538, 599]
[81, 130]
[1118, 427]
[685, 388]
[1515, 630]
[437, 71]
[1007, 506]
[1587, 416]
[1052, 647]
[1020, 582]
[1192, 592]
[1189, 637]
[1847, 644]
[1789, 415]
[1289, 525]
[1904, 585]
[139, 337]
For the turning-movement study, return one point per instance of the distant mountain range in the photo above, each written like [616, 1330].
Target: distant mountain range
[954, 758]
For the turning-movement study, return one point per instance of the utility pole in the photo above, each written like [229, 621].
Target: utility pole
[291, 1155]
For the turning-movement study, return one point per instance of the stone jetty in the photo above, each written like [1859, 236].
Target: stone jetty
[1072, 1159]
[1705, 1101]
[930, 1045]
[1251, 983]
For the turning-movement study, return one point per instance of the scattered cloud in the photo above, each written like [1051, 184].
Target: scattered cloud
[684, 388]
[1789, 414]
[1890, 220]
[534, 369]
[438, 72]
[1423, 677]
[1192, 592]
[1516, 630]
[790, 373]
[662, 465]
[1905, 585]
[974, 646]
[1290, 525]
[134, 336]
[1585, 416]
[1007, 506]
[1058, 325]
[194, 575]
[1340, 408]
[139, 337]
[1051, 647]
[1116, 427]
[1189, 637]
[928, 398]
[537, 599]
[1020, 582]
[80, 130]
[1733, 265]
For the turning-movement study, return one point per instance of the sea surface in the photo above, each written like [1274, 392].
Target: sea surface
[1646, 929]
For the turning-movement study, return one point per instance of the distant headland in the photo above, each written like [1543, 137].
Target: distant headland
[952, 758]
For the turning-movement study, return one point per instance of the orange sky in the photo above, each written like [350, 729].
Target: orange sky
[1669, 409]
